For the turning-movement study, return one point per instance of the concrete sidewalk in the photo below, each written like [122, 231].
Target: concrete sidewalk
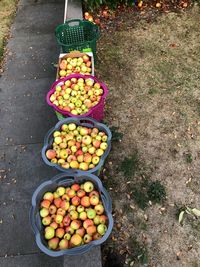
[25, 118]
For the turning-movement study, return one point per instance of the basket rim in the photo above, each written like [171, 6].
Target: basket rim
[67, 113]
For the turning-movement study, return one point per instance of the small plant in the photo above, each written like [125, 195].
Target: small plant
[146, 191]
[188, 157]
[116, 136]
[129, 166]
[156, 192]
[140, 197]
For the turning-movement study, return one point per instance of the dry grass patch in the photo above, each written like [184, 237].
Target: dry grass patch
[7, 12]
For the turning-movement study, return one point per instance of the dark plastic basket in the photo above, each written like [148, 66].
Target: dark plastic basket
[78, 35]
[96, 112]
[67, 180]
[86, 122]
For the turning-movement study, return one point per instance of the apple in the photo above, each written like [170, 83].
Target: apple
[53, 243]
[50, 154]
[49, 232]
[96, 236]
[61, 212]
[83, 215]
[57, 202]
[92, 150]
[99, 152]
[94, 193]
[87, 223]
[66, 220]
[81, 193]
[61, 191]
[75, 224]
[101, 229]
[54, 225]
[76, 240]
[85, 201]
[63, 244]
[88, 186]
[91, 213]
[60, 232]
[46, 220]
[58, 218]
[72, 207]
[45, 204]
[76, 201]
[65, 165]
[103, 145]
[87, 158]
[91, 229]
[74, 164]
[94, 200]
[71, 193]
[63, 153]
[56, 133]
[103, 219]
[44, 212]
[80, 209]
[48, 196]
[58, 140]
[80, 158]
[72, 126]
[87, 239]
[83, 166]
[96, 220]
[84, 131]
[73, 215]
[80, 231]
[95, 160]
[69, 230]
[96, 143]
[65, 196]
[86, 140]
[99, 209]
[67, 236]
[64, 205]
[75, 187]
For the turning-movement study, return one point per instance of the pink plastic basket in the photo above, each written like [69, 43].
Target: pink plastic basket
[96, 112]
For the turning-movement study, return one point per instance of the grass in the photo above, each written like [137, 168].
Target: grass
[7, 12]
[147, 190]
[153, 79]
[139, 251]
[188, 157]
[129, 166]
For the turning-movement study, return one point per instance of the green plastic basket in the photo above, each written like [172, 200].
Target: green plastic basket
[78, 35]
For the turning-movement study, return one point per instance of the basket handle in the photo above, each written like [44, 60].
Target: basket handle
[75, 22]
[58, 178]
[87, 122]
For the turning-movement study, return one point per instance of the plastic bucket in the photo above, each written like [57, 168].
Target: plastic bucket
[86, 122]
[66, 180]
[96, 112]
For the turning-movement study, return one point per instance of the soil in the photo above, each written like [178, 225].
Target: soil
[151, 68]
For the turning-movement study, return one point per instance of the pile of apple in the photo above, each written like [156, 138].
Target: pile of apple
[77, 96]
[77, 147]
[71, 65]
[72, 216]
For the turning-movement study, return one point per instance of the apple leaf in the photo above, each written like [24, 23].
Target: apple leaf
[196, 212]
[180, 217]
